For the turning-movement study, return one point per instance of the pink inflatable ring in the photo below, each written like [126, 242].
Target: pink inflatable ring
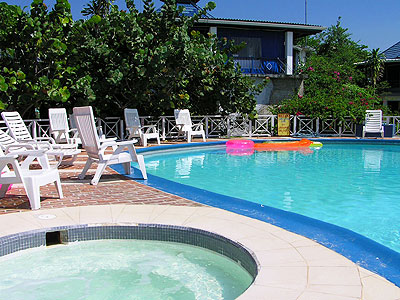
[240, 144]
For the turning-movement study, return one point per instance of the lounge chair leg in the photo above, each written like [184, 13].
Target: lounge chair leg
[127, 167]
[100, 169]
[33, 193]
[142, 166]
[3, 190]
[57, 183]
[86, 168]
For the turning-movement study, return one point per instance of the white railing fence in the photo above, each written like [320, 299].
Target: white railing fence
[224, 126]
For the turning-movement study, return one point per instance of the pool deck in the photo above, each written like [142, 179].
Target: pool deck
[291, 266]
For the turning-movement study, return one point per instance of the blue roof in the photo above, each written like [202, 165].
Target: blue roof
[393, 52]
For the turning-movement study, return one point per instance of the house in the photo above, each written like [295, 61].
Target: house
[270, 51]
[392, 76]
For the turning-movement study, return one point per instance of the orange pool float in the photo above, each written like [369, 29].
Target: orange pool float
[283, 146]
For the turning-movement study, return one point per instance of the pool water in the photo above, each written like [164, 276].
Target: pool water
[351, 185]
[121, 269]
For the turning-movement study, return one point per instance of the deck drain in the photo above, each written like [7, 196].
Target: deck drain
[47, 217]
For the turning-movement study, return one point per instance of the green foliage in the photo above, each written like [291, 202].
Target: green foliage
[152, 61]
[35, 46]
[333, 84]
[374, 67]
[116, 59]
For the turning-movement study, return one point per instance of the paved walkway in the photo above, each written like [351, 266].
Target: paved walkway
[112, 189]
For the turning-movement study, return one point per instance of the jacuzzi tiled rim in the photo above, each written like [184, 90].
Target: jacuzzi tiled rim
[154, 232]
[359, 249]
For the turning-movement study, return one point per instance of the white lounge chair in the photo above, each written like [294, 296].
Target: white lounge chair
[185, 126]
[95, 149]
[373, 122]
[32, 180]
[135, 129]
[59, 127]
[10, 145]
[20, 133]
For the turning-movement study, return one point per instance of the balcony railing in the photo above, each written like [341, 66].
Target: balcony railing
[224, 126]
[263, 66]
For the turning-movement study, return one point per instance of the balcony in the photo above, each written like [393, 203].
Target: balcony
[260, 66]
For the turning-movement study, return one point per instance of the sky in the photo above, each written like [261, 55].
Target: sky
[373, 23]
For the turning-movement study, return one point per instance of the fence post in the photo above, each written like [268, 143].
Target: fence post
[317, 126]
[294, 124]
[228, 126]
[272, 125]
[207, 127]
[34, 131]
[250, 128]
[163, 128]
[121, 128]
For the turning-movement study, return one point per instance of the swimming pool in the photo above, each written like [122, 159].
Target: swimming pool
[350, 185]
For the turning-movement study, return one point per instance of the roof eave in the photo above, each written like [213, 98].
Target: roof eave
[272, 25]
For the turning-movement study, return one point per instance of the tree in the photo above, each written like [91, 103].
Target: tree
[153, 61]
[334, 85]
[97, 7]
[375, 67]
[34, 57]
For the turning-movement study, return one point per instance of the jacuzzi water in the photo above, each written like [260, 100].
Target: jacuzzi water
[120, 269]
[355, 186]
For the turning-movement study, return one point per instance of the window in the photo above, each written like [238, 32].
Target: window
[252, 48]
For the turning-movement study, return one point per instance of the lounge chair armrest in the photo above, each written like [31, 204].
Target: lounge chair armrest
[18, 147]
[104, 140]
[27, 153]
[197, 126]
[106, 144]
[126, 143]
[149, 128]
[36, 144]
[8, 158]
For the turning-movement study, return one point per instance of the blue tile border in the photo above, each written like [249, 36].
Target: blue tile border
[157, 232]
[357, 248]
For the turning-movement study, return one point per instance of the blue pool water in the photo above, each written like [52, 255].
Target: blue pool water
[350, 185]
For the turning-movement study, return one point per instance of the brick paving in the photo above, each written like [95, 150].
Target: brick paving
[112, 189]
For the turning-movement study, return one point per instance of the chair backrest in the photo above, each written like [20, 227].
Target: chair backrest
[84, 120]
[373, 120]
[58, 123]
[6, 140]
[16, 125]
[182, 117]
[131, 118]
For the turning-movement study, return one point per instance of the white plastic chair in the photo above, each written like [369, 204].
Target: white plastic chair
[10, 145]
[59, 127]
[20, 133]
[32, 180]
[373, 122]
[95, 149]
[135, 129]
[185, 126]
